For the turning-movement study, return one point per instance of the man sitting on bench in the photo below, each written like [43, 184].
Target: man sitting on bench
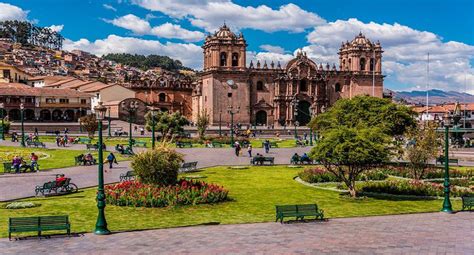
[295, 159]
[60, 178]
[120, 148]
[259, 158]
[305, 158]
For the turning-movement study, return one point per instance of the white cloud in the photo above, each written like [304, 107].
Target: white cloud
[109, 7]
[210, 14]
[56, 28]
[272, 48]
[167, 30]
[11, 12]
[189, 54]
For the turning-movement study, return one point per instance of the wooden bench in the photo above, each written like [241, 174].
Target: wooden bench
[125, 151]
[262, 160]
[302, 161]
[84, 140]
[128, 176]
[79, 160]
[467, 202]
[7, 167]
[64, 187]
[451, 160]
[38, 224]
[188, 167]
[216, 145]
[298, 211]
[140, 144]
[184, 144]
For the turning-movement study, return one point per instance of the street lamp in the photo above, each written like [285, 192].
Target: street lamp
[447, 207]
[101, 224]
[131, 109]
[311, 130]
[231, 111]
[110, 133]
[153, 116]
[295, 102]
[2, 135]
[22, 109]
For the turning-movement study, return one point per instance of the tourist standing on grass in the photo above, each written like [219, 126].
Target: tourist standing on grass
[34, 162]
[249, 150]
[111, 159]
[266, 144]
[16, 163]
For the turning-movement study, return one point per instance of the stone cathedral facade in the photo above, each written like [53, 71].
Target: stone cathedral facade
[269, 94]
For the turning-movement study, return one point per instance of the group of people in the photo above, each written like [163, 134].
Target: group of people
[19, 163]
[295, 159]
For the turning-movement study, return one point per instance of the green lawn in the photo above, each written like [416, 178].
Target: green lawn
[254, 193]
[49, 158]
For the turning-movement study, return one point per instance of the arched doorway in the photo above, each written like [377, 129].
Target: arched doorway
[69, 115]
[45, 115]
[304, 114]
[261, 118]
[29, 114]
[57, 115]
[14, 114]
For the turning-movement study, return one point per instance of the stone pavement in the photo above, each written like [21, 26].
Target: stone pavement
[429, 233]
[15, 186]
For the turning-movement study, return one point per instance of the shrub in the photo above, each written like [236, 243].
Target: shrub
[411, 187]
[316, 175]
[431, 173]
[159, 166]
[21, 205]
[185, 192]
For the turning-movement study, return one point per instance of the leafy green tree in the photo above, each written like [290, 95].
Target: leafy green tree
[202, 123]
[366, 111]
[90, 124]
[346, 152]
[424, 145]
[146, 62]
[168, 124]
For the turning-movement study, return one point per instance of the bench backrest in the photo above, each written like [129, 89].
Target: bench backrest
[286, 208]
[269, 158]
[189, 164]
[307, 208]
[54, 220]
[130, 173]
[49, 185]
[23, 222]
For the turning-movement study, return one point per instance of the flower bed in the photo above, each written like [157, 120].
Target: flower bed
[7, 154]
[185, 192]
[411, 187]
[315, 175]
[431, 173]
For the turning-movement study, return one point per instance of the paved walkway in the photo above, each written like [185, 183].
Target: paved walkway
[430, 233]
[15, 186]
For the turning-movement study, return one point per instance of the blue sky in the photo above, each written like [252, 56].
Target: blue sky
[274, 30]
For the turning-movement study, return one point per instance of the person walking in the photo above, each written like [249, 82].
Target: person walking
[266, 144]
[111, 159]
[249, 150]
[34, 162]
[237, 148]
[36, 131]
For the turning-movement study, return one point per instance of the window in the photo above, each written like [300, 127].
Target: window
[223, 59]
[344, 64]
[259, 85]
[372, 63]
[229, 94]
[362, 64]
[235, 59]
[64, 100]
[83, 101]
[350, 64]
[162, 97]
[29, 100]
[337, 87]
[303, 86]
[50, 100]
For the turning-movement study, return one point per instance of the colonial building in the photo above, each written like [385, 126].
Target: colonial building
[267, 94]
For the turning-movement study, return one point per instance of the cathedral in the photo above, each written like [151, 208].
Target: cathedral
[269, 94]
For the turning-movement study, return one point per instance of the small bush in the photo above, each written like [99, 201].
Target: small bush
[412, 187]
[431, 173]
[316, 175]
[21, 205]
[159, 166]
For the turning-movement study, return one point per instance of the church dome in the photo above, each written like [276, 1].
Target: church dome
[224, 32]
[360, 40]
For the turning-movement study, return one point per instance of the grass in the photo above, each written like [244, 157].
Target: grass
[54, 158]
[254, 193]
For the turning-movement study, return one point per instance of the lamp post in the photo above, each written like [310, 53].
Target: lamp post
[220, 123]
[447, 207]
[311, 130]
[131, 109]
[110, 133]
[2, 135]
[22, 110]
[153, 116]
[80, 116]
[295, 102]
[101, 224]
[231, 111]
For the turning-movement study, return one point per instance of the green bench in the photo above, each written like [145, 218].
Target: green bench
[140, 144]
[38, 224]
[95, 146]
[451, 160]
[301, 161]
[184, 144]
[36, 144]
[467, 202]
[79, 160]
[83, 140]
[262, 160]
[125, 151]
[8, 168]
[188, 167]
[128, 176]
[298, 211]
[216, 145]
[272, 145]
[64, 187]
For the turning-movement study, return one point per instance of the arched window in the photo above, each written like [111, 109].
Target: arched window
[303, 86]
[162, 97]
[259, 85]
[350, 64]
[235, 59]
[362, 64]
[372, 63]
[223, 59]
[337, 87]
[344, 64]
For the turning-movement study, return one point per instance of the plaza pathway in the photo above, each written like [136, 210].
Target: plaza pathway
[15, 186]
[429, 233]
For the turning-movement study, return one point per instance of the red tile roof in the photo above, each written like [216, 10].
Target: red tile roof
[18, 89]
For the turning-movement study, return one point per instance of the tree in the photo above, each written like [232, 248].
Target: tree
[366, 111]
[90, 124]
[202, 123]
[424, 145]
[168, 124]
[346, 152]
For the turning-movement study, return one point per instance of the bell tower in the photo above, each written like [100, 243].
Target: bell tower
[361, 55]
[224, 50]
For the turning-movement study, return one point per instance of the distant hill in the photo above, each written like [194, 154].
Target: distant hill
[436, 96]
[146, 62]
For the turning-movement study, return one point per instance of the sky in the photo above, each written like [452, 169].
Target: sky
[275, 30]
